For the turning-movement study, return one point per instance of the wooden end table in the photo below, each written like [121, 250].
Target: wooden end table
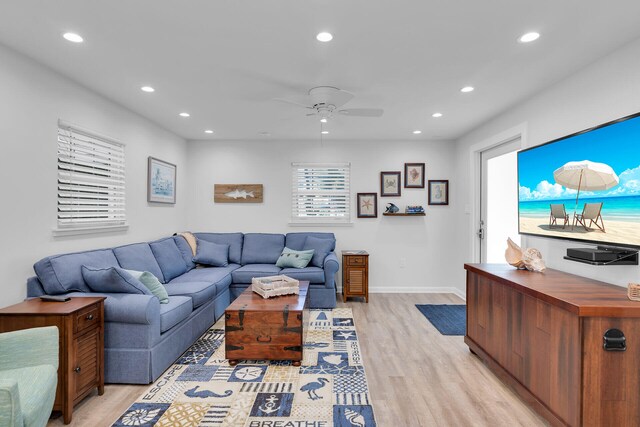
[80, 323]
[259, 328]
[355, 274]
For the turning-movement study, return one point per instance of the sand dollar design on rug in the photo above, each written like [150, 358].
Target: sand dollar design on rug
[201, 389]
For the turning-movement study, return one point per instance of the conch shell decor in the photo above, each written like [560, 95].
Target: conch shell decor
[530, 259]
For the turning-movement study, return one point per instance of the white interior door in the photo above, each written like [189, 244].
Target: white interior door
[498, 200]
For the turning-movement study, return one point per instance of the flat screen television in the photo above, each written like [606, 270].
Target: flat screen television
[584, 186]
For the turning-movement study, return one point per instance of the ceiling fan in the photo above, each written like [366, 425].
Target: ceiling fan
[325, 101]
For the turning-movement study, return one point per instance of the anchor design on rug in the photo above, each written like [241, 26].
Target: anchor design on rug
[205, 393]
[270, 406]
[312, 388]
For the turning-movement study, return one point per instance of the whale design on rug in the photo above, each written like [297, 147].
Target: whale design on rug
[205, 393]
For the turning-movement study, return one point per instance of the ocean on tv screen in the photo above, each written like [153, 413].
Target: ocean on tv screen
[602, 203]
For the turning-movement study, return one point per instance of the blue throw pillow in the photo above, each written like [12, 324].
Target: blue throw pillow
[213, 254]
[112, 280]
[321, 247]
[294, 259]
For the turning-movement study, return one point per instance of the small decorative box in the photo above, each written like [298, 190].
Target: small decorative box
[273, 286]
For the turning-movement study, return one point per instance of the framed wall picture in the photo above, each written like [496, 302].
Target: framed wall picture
[414, 175]
[367, 205]
[161, 181]
[390, 185]
[439, 192]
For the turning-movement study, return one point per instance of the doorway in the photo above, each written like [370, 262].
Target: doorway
[498, 200]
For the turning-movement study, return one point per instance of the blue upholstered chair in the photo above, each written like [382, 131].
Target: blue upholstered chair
[28, 376]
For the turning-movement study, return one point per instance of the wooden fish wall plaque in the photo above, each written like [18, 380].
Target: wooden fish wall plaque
[237, 193]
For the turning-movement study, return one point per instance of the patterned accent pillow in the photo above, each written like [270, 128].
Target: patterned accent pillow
[294, 259]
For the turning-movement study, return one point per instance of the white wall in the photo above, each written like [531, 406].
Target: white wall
[32, 99]
[605, 90]
[425, 243]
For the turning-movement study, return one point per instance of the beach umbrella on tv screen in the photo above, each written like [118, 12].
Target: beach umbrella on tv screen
[586, 175]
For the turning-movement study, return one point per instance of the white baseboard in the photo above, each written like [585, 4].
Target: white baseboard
[415, 290]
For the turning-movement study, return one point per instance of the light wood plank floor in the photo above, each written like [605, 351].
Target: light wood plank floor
[417, 377]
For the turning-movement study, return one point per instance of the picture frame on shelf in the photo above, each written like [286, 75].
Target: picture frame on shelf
[390, 184]
[438, 192]
[414, 175]
[161, 181]
[367, 205]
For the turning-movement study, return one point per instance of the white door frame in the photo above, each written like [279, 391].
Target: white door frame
[519, 131]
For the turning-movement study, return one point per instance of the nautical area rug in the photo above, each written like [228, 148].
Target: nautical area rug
[447, 319]
[201, 389]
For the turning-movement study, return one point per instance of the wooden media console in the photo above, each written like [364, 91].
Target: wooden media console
[543, 335]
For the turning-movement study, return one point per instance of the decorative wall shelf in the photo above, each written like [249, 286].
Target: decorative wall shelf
[404, 214]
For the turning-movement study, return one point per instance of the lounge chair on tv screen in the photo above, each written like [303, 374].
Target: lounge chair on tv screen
[558, 213]
[592, 212]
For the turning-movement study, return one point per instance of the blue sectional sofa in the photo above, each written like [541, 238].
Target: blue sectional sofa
[143, 337]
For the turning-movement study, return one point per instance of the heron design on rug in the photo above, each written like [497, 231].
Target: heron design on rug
[312, 387]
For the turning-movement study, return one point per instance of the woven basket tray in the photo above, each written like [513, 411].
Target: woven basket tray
[633, 291]
[273, 286]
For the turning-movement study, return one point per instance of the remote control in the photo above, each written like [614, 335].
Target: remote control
[54, 298]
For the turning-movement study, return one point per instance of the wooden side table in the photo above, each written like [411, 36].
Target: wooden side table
[355, 274]
[80, 323]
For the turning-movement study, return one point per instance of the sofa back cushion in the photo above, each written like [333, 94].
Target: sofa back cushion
[262, 248]
[60, 274]
[138, 257]
[169, 258]
[234, 240]
[185, 250]
[296, 241]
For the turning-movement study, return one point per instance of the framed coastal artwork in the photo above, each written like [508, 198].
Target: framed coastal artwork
[439, 192]
[367, 205]
[390, 184]
[414, 175]
[161, 181]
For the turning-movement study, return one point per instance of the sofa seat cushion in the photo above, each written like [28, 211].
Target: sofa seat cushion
[312, 274]
[36, 384]
[262, 248]
[247, 272]
[139, 257]
[220, 276]
[60, 274]
[177, 310]
[199, 292]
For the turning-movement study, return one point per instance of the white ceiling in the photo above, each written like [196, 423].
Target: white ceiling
[224, 61]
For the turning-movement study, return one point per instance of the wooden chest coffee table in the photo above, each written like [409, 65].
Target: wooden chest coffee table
[266, 329]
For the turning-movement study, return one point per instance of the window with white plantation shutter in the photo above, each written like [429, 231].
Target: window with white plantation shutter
[91, 180]
[320, 193]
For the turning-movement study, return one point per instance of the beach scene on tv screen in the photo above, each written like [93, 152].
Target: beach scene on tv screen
[584, 187]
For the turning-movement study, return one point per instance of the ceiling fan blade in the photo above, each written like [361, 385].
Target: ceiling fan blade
[286, 101]
[330, 95]
[362, 112]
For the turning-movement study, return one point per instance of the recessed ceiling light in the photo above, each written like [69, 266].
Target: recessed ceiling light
[324, 37]
[325, 132]
[147, 89]
[529, 37]
[467, 89]
[436, 115]
[73, 37]
[323, 120]
[265, 134]
[184, 114]
[208, 131]
[417, 132]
